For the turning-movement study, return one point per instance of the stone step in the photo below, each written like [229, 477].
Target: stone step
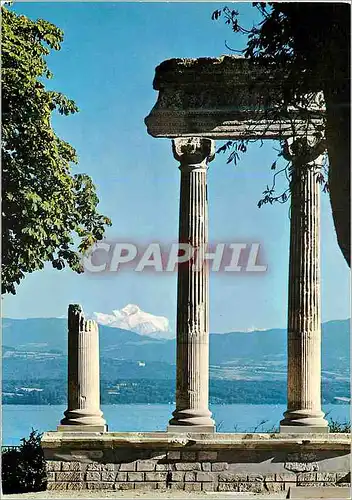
[330, 492]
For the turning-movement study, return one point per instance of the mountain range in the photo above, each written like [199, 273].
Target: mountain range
[39, 346]
[131, 317]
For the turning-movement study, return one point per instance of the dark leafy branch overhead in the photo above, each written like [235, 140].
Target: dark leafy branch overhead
[311, 42]
[272, 42]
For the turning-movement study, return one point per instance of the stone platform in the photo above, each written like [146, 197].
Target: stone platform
[256, 463]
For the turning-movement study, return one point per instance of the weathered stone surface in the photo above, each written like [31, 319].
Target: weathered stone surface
[155, 476]
[146, 465]
[232, 476]
[188, 455]
[108, 476]
[252, 487]
[268, 477]
[226, 486]
[83, 374]
[57, 486]
[302, 456]
[304, 316]
[107, 467]
[209, 487]
[219, 466]
[158, 455]
[163, 467]
[192, 487]
[71, 466]
[286, 476]
[311, 492]
[177, 486]
[255, 477]
[98, 467]
[184, 466]
[274, 487]
[192, 371]
[207, 455]
[315, 484]
[93, 476]
[124, 486]
[135, 476]
[94, 466]
[325, 476]
[307, 476]
[145, 486]
[128, 466]
[121, 476]
[100, 486]
[331, 452]
[205, 476]
[174, 455]
[76, 486]
[69, 476]
[162, 486]
[177, 476]
[225, 97]
[50, 476]
[206, 466]
[190, 476]
[302, 466]
[52, 466]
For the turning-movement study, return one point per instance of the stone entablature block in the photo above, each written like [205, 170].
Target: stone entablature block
[224, 97]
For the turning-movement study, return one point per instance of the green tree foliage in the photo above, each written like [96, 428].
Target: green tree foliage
[23, 468]
[311, 43]
[48, 213]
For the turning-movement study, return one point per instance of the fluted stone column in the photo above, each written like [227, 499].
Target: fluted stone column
[83, 412]
[192, 381]
[304, 412]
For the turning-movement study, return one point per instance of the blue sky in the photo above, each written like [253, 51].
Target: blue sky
[107, 66]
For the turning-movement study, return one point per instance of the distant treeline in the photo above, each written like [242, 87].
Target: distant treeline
[127, 391]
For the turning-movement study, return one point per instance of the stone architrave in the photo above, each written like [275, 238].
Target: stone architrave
[83, 412]
[227, 97]
[192, 380]
[304, 412]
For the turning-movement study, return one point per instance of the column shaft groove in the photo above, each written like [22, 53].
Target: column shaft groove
[192, 382]
[304, 316]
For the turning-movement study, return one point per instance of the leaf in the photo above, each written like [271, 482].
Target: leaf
[47, 211]
[215, 15]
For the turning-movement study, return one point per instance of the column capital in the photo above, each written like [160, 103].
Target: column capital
[303, 150]
[193, 152]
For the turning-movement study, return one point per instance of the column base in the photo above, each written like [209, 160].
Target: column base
[83, 417]
[192, 418]
[300, 421]
[202, 429]
[82, 428]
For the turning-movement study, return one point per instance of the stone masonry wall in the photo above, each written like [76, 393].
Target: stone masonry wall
[222, 470]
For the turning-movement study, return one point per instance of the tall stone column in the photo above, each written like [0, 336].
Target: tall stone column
[304, 412]
[83, 412]
[192, 380]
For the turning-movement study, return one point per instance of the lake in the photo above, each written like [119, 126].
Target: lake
[18, 420]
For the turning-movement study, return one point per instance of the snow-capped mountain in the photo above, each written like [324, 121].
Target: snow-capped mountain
[131, 317]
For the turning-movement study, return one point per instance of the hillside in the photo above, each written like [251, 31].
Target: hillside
[39, 346]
